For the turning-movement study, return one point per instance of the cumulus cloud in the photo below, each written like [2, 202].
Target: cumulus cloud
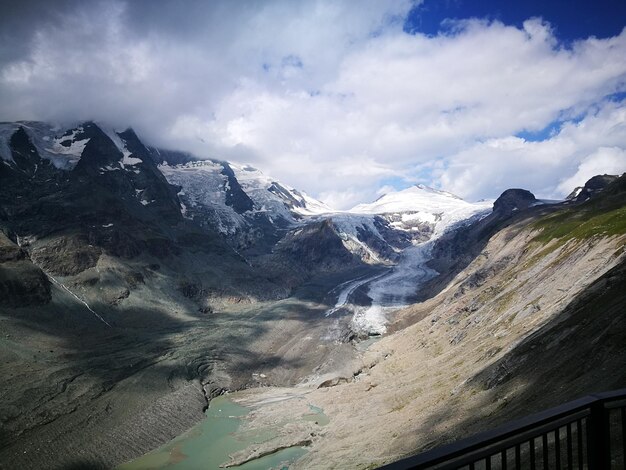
[552, 167]
[331, 97]
[605, 160]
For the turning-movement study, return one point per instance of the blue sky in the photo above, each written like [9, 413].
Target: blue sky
[571, 19]
[339, 98]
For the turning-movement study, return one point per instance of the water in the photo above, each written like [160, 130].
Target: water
[317, 416]
[365, 344]
[208, 444]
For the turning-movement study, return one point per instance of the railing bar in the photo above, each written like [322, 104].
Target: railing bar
[531, 425]
[570, 457]
[544, 449]
[518, 457]
[471, 466]
[503, 457]
[606, 423]
[609, 405]
[623, 417]
[611, 396]
[475, 455]
[598, 437]
[488, 463]
[582, 411]
[532, 454]
[588, 438]
[579, 444]
[557, 448]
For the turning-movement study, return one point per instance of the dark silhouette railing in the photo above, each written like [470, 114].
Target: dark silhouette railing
[588, 433]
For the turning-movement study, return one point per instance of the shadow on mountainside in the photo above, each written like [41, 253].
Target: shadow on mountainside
[580, 352]
[74, 386]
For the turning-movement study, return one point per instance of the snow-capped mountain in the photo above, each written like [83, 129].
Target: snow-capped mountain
[246, 206]
[249, 210]
[421, 205]
[280, 197]
[62, 147]
[422, 214]
[379, 231]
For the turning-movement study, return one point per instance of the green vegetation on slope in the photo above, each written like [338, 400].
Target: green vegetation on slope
[581, 224]
[602, 216]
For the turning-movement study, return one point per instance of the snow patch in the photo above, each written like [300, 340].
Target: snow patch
[75, 147]
[127, 160]
[416, 199]
[257, 185]
[419, 217]
[110, 168]
[42, 136]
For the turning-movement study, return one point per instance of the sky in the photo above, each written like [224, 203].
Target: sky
[345, 100]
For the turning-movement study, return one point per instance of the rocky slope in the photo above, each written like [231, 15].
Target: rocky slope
[136, 283]
[536, 318]
[99, 276]
[125, 305]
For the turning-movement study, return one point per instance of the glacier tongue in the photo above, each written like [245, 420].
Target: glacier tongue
[394, 290]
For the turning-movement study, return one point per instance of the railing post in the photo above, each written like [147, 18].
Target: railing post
[598, 438]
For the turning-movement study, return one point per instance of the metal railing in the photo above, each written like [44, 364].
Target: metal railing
[588, 433]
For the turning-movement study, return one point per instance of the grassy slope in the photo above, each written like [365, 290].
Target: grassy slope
[601, 216]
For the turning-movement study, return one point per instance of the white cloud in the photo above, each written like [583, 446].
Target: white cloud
[605, 160]
[550, 168]
[332, 97]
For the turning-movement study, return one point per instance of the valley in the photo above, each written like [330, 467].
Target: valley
[145, 289]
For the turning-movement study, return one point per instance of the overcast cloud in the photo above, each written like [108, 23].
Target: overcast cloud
[330, 97]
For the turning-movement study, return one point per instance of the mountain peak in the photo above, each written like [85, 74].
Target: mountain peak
[514, 199]
[592, 187]
[413, 199]
[430, 189]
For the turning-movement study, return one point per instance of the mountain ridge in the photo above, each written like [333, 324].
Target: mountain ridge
[133, 290]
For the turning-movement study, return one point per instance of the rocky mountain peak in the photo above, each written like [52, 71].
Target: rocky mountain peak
[513, 200]
[236, 197]
[24, 153]
[99, 151]
[592, 187]
[135, 146]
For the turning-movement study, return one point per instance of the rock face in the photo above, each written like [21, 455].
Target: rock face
[235, 196]
[513, 200]
[22, 284]
[317, 246]
[592, 188]
[66, 256]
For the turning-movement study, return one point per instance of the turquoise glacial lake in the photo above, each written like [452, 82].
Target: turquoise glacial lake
[208, 444]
